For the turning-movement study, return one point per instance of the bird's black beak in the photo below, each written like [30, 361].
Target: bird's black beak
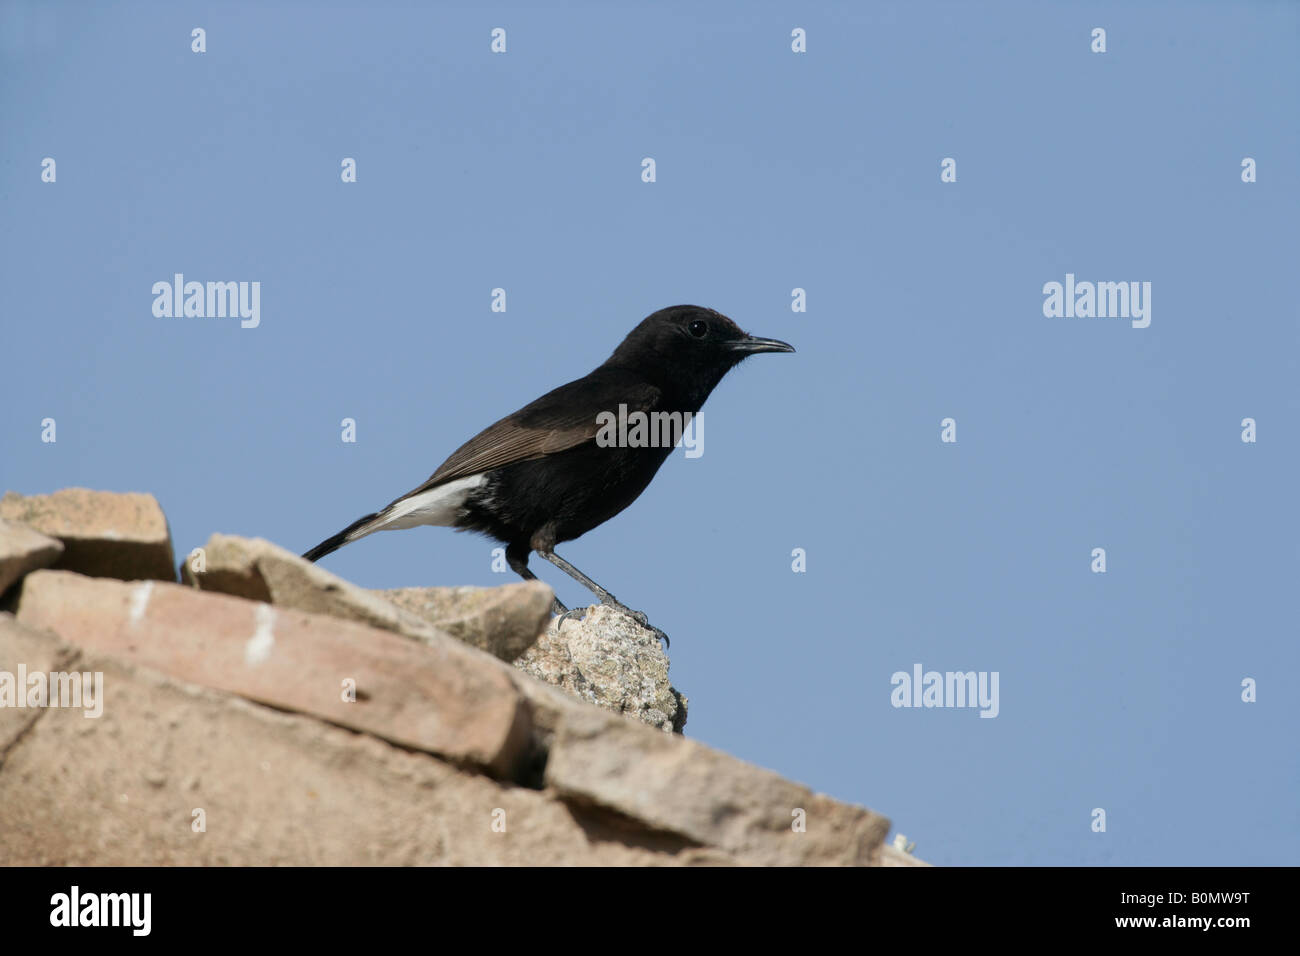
[752, 344]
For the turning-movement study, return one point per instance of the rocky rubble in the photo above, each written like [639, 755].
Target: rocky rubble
[609, 660]
[24, 549]
[268, 712]
[103, 535]
[502, 621]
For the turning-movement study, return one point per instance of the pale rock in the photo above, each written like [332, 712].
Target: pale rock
[104, 533]
[25, 650]
[174, 774]
[502, 621]
[441, 697]
[682, 787]
[24, 549]
[505, 621]
[609, 660]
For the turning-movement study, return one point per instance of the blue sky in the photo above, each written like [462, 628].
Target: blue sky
[774, 171]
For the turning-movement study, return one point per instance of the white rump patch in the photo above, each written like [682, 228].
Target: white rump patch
[438, 506]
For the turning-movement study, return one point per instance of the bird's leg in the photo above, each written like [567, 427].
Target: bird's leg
[605, 597]
[588, 583]
[518, 562]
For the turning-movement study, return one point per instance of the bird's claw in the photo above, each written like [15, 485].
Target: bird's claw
[568, 614]
[580, 613]
[640, 618]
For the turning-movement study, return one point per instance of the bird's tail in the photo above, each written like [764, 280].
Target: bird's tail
[356, 529]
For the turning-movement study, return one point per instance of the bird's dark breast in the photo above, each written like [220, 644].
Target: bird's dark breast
[561, 496]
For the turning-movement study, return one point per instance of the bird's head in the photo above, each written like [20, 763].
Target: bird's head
[689, 348]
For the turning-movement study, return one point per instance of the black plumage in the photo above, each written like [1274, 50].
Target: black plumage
[539, 477]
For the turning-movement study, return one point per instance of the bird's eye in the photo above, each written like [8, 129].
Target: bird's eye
[699, 328]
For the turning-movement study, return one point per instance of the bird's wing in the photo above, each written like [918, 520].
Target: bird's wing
[559, 420]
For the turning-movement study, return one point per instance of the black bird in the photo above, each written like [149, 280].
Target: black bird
[540, 476]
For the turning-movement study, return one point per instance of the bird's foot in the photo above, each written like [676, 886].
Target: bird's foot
[579, 613]
[639, 617]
